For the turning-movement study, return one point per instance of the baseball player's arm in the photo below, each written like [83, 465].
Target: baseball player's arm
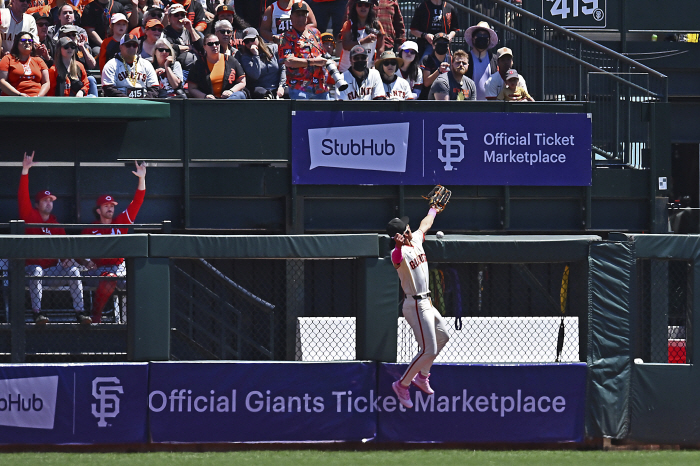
[25, 204]
[427, 223]
[396, 256]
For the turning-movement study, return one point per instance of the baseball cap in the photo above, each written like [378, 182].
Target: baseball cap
[396, 225]
[105, 199]
[225, 9]
[299, 6]
[43, 194]
[126, 38]
[441, 36]
[327, 37]
[65, 40]
[511, 74]
[176, 8]
[153, 22]
[116, 17]
[503, 51]
[250, 33]
[409, 45]
[155, 10]
[41, 17]
[68, 29]
[357, 50]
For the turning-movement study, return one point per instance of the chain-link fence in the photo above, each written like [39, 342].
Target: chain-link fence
[666, 297]
[69, 316]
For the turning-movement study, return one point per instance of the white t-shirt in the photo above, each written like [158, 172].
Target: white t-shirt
[413, 84]
[413, 269]
[495, 84]
[398, 90]
[370, 88]
[9, 28]
[129, 81]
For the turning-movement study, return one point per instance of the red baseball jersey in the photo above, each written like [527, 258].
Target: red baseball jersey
[30, 215]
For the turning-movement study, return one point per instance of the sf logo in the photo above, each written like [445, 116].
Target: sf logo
[449, 136]
[106, 391]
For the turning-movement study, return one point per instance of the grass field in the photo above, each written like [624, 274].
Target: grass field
[436, 457]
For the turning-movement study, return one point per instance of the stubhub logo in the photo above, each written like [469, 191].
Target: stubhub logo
[29, 402]
[372, 147]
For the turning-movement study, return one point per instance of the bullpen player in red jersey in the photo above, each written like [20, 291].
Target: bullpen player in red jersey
[104, 210]
[429, 327]
[46, 267]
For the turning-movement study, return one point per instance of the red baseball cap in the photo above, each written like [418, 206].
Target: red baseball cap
[42, 194]
[105, 199]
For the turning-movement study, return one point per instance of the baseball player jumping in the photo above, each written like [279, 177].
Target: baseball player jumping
[429, 327]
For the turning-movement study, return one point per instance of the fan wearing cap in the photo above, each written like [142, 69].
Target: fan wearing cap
[154, 31]
[429, 327]
[44, 46]
[436, 63]
[362, 28]
[512, 92]
[153, 12]
[265, 77]
[302, 52]
[187, 42]
[395, 87]
[195, 13]
[126, 75]
[41, 212]
[233, 32]
[482, 63]
[454, 85]
[97, 18]
[363, 83]
[328, 42]
[430, 18]
[110, 45]
[67, 76]
[104, 211]
[277, 19]
[496, 82]
[16, 20]
[410, 69]
[65, 27]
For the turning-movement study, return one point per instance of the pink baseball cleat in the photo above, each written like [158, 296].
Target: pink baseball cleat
[403, 394]
[422, 383]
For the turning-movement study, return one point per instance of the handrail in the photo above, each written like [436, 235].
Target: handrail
[574, 35]
[18, 227]
[237, 287]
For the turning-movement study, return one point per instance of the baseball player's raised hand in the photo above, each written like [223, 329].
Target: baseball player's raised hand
[140, 169]
[27, 163]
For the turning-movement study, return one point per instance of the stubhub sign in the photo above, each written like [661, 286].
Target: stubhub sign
[28, 402]
[381, 147]
[527, 149]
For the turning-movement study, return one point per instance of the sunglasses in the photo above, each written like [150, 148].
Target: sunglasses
[179, 15]
[27, 41]
[42, 25]
[163, 50]
[131, 45]
[70, 46]
[214, 44]
[156, 29]
[248, 41]
[390, 63]
[225, 32]
[409, 52]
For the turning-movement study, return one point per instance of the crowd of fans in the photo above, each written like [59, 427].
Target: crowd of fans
[240, 49]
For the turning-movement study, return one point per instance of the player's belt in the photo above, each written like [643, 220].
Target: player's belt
[418, 297]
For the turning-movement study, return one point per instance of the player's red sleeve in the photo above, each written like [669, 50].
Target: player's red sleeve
[26, 211]
[133, 209]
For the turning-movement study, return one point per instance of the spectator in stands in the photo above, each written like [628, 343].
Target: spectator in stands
[432, 17]
[82, 53]
[454, 85]
[97, 18]
[328, 42]
[265, 75]
[110, 45]
[303, 58]
[512, 92]
[154, 30]
[168, 70]
[216, 76]
[104, 211]
[65, 16]
[78, 9]
[45, 48]
[250, 11]
[187, 42]
[496, 82]
[436, 63]
[363, 83]
[68, 76]
[329, 12]
[410, 69]
[126, 75]
[277, 20]
[41, 213]
[390, 17]
[153, 12]
[195, 13]
[12, 27]
[395, 87]
[22, 72]
[238, 25]
[361, 28]
[224, 31]
[482, 63]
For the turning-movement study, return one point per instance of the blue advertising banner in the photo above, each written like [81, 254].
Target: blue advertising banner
[487, 403]
[395, 148]
[65, 403]
[263, 402]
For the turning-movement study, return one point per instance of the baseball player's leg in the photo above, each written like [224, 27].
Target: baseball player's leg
[105, 289]
[75, 286]
[35, 286]
[442, 336]
[421, 319]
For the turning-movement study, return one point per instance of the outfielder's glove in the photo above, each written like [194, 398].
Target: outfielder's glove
[439, 197]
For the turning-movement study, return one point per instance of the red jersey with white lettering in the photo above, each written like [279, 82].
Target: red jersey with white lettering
[128, 216]
[413, 269]
[30, 215]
